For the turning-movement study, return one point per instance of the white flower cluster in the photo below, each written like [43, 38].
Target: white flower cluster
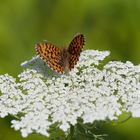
[42, 98]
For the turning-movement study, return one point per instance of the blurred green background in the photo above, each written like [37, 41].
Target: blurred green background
[107, 24]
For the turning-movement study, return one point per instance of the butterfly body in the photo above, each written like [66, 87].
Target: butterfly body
[61, 60]
[65, 58]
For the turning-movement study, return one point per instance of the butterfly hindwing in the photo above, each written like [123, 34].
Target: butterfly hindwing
[51, 55]
[73, 61]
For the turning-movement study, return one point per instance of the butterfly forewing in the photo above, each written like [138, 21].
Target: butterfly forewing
[75, 49]
[50, 54]
[76, 44]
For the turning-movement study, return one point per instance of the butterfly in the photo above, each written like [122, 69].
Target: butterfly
[61, 60]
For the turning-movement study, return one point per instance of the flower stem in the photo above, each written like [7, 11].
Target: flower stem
[71, 134]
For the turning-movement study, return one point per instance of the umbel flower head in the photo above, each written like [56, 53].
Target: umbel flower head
[90, 92]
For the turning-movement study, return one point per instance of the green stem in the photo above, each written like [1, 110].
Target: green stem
[71, 135]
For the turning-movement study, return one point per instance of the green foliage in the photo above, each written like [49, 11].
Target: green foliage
[107, 24]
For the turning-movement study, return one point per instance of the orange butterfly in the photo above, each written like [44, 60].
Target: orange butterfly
[58, 59]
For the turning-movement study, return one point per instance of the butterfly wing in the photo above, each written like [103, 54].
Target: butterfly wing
[75, 49]
[51, 55]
